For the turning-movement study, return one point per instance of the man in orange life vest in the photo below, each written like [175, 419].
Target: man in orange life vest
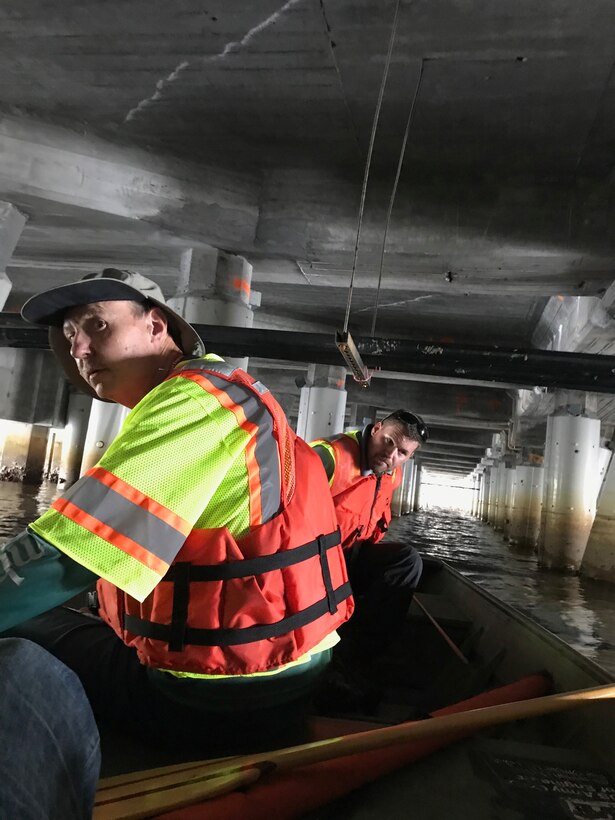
[363, 468]
[208, 523]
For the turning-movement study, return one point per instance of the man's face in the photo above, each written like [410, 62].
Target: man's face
[388, 448]
[115, 348]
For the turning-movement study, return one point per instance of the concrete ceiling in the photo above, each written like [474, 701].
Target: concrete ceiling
[131, 131]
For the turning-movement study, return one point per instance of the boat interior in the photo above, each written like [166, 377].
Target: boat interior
[458, 642]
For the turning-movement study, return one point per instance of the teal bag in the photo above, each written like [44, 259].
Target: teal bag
[35, 577]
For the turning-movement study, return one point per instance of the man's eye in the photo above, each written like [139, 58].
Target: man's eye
[101, 324]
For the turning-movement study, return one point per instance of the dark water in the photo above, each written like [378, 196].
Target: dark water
[578, 610]
[20, 504]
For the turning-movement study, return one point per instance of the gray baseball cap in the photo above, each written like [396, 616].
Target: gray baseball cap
[48, 309]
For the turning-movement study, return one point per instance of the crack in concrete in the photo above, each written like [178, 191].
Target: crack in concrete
[233, 46]
[395, 304]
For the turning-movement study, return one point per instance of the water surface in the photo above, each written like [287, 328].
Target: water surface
[576, 609]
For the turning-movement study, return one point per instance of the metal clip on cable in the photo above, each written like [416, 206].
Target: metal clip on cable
[352, 357]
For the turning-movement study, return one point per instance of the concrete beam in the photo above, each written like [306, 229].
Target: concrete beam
[479, 439]
[478, 407]
[437, 221]
[443, 458]
[454, 449]
[459, 471]
[439, 402]
[46, 163]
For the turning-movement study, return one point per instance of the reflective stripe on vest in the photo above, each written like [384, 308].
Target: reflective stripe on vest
[108, 507]
[253, 416]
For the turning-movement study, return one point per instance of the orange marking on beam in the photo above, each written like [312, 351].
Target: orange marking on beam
[241, 284]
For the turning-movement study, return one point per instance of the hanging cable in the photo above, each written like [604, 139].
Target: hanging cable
[394, 192]
[344, 340]
[368, 163]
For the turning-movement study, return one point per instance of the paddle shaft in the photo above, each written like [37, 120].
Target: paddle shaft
[199, 782]
[472, 720]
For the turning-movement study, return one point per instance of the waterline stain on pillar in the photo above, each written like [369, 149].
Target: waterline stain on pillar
[525, 525]
[599, 559]
[35, 457]
[569, 502]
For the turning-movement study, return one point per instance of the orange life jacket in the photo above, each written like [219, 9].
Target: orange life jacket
[236, 607]
[362, 502]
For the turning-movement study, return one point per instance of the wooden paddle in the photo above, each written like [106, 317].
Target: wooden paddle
[145, 794]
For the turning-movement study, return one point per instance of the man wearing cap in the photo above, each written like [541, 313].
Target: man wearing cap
[207, 522]
[364, 468]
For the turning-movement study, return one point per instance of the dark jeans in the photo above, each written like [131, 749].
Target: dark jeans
[206, 717]
[383, 578]
[49, 746]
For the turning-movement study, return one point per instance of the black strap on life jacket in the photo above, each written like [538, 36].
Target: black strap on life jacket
[182, 574]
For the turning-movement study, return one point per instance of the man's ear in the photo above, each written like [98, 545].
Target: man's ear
[376, 427]
[158, 323]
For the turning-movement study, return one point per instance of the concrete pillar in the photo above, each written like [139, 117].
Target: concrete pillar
[500, 497]
[473, 493]
[37, 451]
[569, 503]
[480, 495]
[509, 498]
[322, 405]
[50, 452]
[480, 480]
[215, 288]
[493, 493]
[476, 492]
[104, 424]
[396, 499]
[73, 438]
[14, 446]
[12, 224]
[484, 513]
[417, 488]
[599, 558]
[401, 502]
[484, 493]
[33, 392]
[53, 455]
[605, 455]
[525, 524]
[408, 499]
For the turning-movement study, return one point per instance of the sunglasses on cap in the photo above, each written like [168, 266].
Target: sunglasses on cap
[411, 420]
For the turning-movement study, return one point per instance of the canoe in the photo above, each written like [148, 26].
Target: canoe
[458, 642]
